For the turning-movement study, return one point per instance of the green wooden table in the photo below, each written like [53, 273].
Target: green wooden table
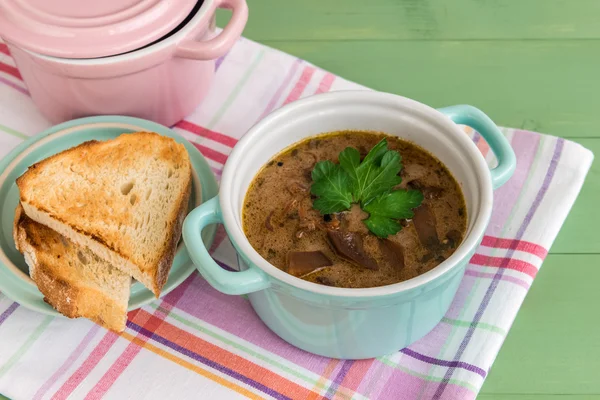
[531, 64]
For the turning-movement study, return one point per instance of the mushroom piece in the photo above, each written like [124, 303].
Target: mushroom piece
[429, 192]
[425, 223]
[323, 280]
[312, 160]
[308, 222]
[304, 262]
[291, 209]
[392, 252]
[411, 172]
[297, 187]
[349, 245]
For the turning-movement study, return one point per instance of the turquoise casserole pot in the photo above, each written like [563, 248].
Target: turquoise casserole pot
[340, 322]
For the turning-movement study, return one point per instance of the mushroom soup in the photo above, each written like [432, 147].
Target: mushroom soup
[354, 209]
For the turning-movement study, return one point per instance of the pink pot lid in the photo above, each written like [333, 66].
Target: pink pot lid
[89, 29]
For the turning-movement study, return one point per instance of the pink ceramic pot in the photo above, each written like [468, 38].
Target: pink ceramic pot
[162, 82]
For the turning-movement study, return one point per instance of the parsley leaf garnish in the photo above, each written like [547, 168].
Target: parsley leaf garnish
[332, 186]
[370, 183]
[377, 173]
[386, 209]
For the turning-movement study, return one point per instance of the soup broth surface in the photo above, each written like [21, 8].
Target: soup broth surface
[279, 219]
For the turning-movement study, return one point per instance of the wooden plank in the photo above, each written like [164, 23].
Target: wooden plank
[579, 234]
[547, 86]
[553, 345]
[421, 20]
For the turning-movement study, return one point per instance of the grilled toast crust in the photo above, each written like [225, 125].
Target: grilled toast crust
[104, 196]
[57, 267]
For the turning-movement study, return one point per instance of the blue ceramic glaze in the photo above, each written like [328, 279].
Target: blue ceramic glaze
[333, 326]
[337, 322]
[473, 117]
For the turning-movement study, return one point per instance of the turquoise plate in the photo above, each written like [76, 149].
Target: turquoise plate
[14, 276]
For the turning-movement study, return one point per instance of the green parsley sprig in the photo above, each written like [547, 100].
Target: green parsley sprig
[369, 183]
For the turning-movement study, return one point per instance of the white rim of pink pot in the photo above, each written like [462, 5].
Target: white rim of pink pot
[279, 117]
[208, 6]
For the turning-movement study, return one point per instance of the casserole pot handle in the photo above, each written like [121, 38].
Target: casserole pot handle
[250, 280]
[476, 119]
[218, 46]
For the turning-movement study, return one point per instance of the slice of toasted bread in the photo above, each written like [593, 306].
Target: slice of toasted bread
[73, 280]
[125, 199]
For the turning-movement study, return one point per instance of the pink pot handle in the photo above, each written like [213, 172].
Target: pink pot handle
[218, 46]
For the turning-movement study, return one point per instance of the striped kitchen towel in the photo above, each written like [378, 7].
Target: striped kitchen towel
[198, 343]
